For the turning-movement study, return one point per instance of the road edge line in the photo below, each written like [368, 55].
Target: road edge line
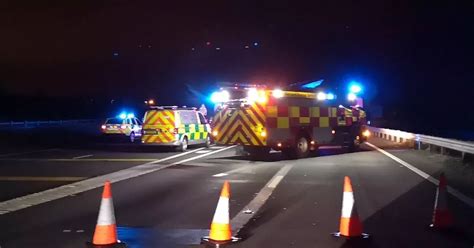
[456, 193]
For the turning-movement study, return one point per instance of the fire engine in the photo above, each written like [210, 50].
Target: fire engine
[292, 121]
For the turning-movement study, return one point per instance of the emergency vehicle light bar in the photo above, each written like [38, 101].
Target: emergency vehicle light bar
[173, 107]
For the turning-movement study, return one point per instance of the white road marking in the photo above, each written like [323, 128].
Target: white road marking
[462, 197]
[241, 169]
[203, 151]
[220, 175]
[244, 216]
[23, 153]
[96, 182]
[84, 156]
[217, 147]
[275, 181]
[235, 181]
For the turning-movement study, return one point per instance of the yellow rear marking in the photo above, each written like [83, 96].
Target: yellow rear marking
[226, 126]
[259, 112]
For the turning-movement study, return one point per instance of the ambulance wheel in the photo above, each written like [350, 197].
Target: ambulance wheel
[208, 142]
[132, 137]
[184, 145]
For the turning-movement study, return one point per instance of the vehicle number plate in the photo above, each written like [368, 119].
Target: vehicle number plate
[151, 132]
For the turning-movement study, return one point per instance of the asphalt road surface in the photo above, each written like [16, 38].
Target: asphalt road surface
[167, 199]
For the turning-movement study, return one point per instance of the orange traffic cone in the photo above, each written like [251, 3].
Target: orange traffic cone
[105, 234]
[350, 225]
[442, 217]
[221, 232]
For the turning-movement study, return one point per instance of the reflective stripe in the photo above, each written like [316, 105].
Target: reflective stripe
[106, 212]
[221, 215]
[347, 204]
[440, 201]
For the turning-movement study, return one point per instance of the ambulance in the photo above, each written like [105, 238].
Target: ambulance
[175, 126]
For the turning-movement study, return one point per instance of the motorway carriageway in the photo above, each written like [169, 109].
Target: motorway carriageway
[167, 199]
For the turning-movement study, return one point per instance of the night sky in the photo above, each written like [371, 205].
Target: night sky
[415, 58]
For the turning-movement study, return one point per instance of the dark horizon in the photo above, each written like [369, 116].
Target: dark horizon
[414, 59]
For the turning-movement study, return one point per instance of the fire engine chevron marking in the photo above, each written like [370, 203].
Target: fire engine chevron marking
[258, 109]
[240, 127]
[226, 124]
[237, 134]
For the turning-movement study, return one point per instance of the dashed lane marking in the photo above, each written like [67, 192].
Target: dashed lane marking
[220, 175]
[216, 147]
[96, 182]
[84, 156]
[462, 197]
[241, 169]
[29, 152]
[42, 179]
[244, 216]
[203, 151]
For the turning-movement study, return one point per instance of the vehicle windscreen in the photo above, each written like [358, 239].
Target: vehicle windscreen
[114, 121]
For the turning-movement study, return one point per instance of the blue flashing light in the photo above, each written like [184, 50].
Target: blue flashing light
[354, 87]
[123, 115]
[351, 97]
[330, 96]
[312, 85]
[215, 97]
[131, 115]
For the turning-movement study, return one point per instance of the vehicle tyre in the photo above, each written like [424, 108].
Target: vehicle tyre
[208, 142]
[351, 144]
[302, 147]
[132, 137]
[184, 145]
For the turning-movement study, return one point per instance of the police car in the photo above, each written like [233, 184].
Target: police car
[124, 126]
[175, 126]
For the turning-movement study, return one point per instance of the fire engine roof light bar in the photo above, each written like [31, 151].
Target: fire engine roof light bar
[321, 96]
[220, 96]
[351, 97]
[278, 93]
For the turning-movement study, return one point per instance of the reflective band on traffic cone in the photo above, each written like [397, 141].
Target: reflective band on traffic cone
[350, 225]
[105, 234]
[442, 217]
[221, 232]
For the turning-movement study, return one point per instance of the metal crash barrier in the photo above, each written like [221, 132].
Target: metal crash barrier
[420, 141]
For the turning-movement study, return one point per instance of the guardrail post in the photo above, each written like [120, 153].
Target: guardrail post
[467, 158]
[444, 151]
